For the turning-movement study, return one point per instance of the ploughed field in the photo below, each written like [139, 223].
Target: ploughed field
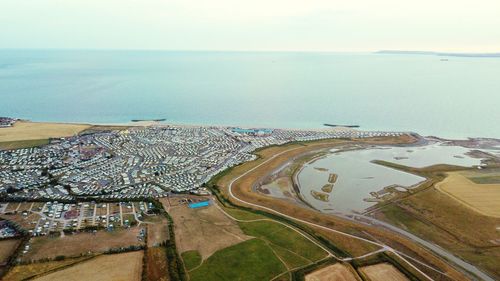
[382, 272]
[124, 267]
[334, 272]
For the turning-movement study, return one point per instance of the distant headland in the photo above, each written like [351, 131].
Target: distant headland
[426, 53]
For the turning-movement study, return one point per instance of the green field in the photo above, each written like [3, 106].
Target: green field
[251, 260]
[281, 236]
[191, 259]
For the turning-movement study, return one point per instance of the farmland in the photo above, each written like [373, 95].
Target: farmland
[125, 267]
[336, 271]
[382, 272]
[483, 198]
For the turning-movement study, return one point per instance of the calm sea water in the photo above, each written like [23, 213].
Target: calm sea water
[455, 98]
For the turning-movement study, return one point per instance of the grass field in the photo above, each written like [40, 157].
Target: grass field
[7, 248]
[74, 245]
[22, 272]
[24, 130]
[251, 260]
[382, 272]
[191, 259]
[123, 267]
[482, 198]
[292, 244]
[334, 272]
[205, 230]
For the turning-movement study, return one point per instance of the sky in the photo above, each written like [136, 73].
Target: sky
[252, 25]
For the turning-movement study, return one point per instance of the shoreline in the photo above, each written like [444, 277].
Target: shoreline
[145, 123]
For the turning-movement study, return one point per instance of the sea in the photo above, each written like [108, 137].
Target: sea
[454, 97]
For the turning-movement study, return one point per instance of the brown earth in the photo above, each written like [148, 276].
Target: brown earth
[81, 243]
[7, 248]
[156, 264]
[383, 272]
[206, 230]
[117, 267]
[335, 272]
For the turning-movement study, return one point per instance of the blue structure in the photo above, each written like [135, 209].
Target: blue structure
[199, 204]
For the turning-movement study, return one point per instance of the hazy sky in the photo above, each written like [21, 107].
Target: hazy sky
[308, 25]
